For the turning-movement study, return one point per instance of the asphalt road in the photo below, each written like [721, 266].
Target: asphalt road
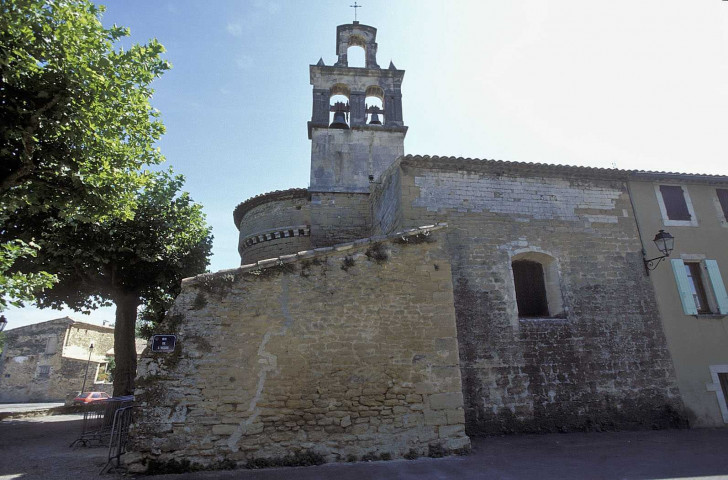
[38, 448]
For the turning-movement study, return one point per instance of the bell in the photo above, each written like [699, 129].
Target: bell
[375, 119]
[339, 121]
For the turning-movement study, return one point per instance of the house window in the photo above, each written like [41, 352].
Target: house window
[723, 200]
[695, 281]
[44, 371]
[537, 286]
[719, 385]
[103, 374]
[51, 345]
[675, 205]
[723, 379]
[530, 289]
[700, 286]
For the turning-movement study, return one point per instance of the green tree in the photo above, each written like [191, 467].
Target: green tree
[126, 262]
[16, 288]
[76, 126]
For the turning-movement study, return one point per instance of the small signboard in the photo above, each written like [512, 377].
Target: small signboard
[163, 343]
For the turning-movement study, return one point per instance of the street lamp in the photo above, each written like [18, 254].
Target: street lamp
[90, 349]
[3, 322]
[665, 243]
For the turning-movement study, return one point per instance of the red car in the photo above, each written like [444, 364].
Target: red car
[90, 397]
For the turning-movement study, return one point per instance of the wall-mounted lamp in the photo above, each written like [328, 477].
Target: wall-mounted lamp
[665, 243]
[3, 322]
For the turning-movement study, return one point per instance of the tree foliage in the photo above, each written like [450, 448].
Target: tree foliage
[16, 288]
[76, 125]
[124, 261]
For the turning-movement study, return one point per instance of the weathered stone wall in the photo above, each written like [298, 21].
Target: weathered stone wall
[343, 352]
[278, 226]
[47, 361]
[385, 200]
[603, 361]
[339, 218]
[343, 160]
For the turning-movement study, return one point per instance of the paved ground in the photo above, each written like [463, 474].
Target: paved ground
[27, 407]
[37, 448]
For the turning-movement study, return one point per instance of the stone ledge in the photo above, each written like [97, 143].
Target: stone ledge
[316, 252]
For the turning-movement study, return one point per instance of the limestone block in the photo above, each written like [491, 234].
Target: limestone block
[446, 401]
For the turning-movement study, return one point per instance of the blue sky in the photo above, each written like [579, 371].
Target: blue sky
[640, 85]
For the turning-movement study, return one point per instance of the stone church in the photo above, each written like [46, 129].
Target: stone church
[401, 304]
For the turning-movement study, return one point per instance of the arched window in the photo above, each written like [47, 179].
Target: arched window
[356, 53]
[536, 281]
[374, 105]
[339, 99]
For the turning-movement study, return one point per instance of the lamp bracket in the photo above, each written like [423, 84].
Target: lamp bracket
[652, 263]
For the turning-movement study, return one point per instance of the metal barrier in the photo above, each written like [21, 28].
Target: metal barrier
[98, 420]
[119, 437]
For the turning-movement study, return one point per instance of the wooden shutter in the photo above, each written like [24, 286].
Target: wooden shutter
[675, 205]
[716, 281]
[683, 287]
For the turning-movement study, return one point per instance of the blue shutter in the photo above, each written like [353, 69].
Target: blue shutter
[721, 297]
[683, 287]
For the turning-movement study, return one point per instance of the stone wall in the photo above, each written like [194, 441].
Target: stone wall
[339, 217]
[602, 361]
[47, 361]
[344, 352]
[343, 160]
[385, 200]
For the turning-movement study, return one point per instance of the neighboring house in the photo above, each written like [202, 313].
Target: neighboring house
[690, 285]
[48, 361]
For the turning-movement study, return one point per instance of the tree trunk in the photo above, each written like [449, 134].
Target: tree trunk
[124, 344]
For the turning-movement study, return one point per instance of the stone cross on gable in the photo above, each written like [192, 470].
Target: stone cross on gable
[355, 6]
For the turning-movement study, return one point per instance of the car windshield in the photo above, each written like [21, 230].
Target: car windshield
[84, 395]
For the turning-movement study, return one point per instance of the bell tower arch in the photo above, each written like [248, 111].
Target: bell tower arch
[367, 132]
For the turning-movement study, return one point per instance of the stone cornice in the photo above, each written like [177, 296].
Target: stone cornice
[264, 198]
[501, 167]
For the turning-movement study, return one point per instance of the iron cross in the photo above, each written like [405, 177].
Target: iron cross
[355, 6]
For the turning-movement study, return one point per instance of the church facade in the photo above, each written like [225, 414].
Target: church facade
[401, 304]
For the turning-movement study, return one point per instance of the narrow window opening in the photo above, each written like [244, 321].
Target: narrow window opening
[697, 288]
[530, 289]
[356, 56]
[343, 103]
[675, 204]
[723, 199]
[723, 379]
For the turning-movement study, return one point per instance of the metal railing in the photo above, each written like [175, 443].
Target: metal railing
[118, 438]
[98, 421]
